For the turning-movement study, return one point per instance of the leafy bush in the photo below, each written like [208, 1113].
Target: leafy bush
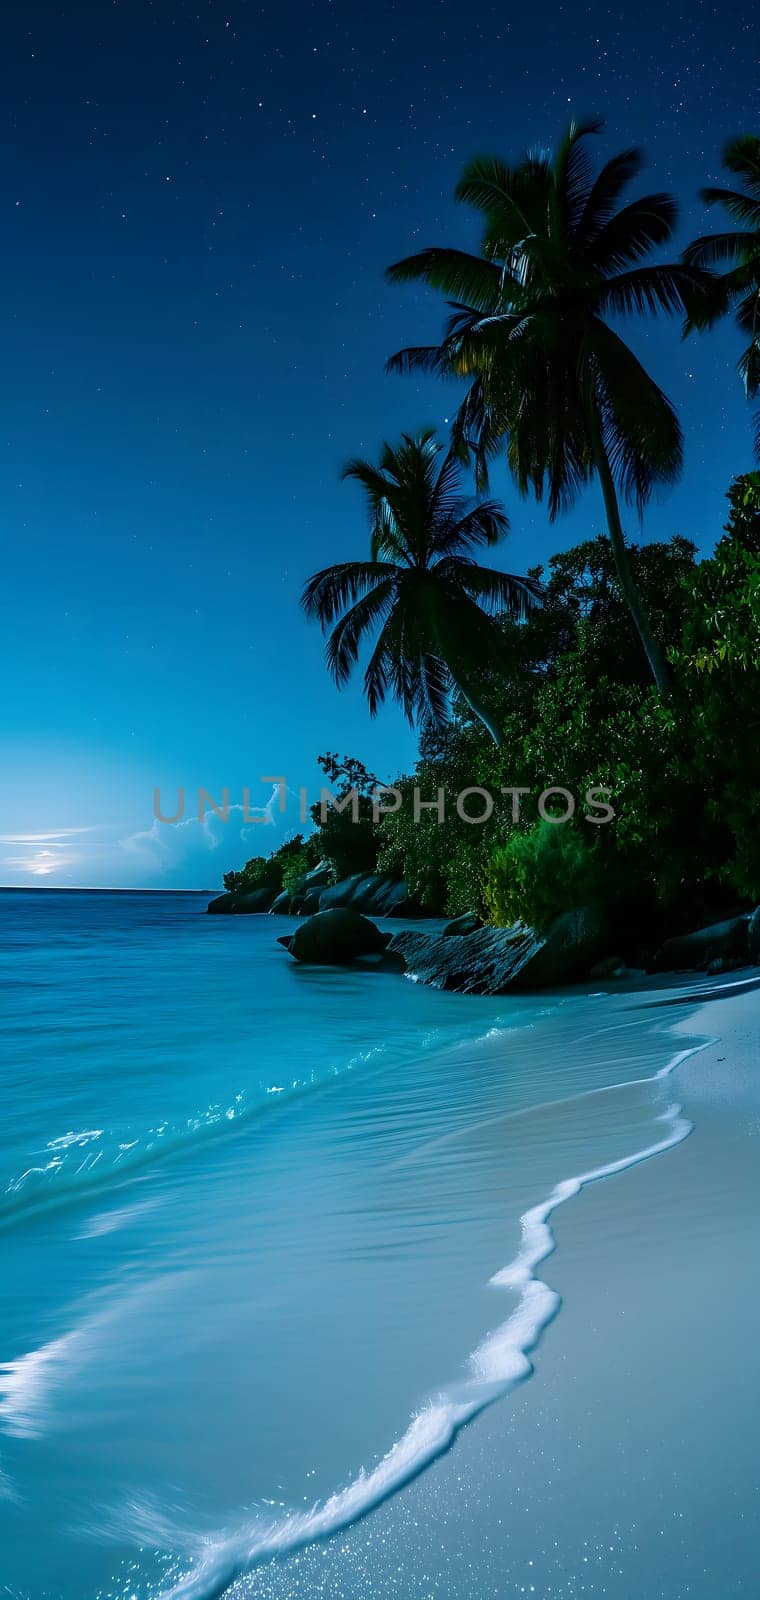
[257, 872]
[571, 693]
[541, 871]
[296, 867]
[348, 846]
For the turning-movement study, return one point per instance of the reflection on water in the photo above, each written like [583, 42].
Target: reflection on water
[258, 1218]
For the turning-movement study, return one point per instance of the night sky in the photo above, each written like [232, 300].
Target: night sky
[198, 204]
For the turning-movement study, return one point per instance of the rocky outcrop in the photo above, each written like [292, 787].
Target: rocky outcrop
[373, 894]
[255, 900]
[335, 938]
[222, 903]
[283, 903]
[495, 960]
[725, 942]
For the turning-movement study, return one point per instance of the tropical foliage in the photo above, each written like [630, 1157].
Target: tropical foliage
[532, 332]
[520, 684]
[738, 289]
[421, 596]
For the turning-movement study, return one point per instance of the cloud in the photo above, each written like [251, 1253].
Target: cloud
[49, 852]
[195, 853]
[44, 837]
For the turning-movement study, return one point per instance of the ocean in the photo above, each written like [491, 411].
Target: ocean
[277, 1252]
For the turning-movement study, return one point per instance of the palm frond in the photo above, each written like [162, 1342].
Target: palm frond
[342, 649]
[742, 156]
[715, 249]
[434, 690]
[328, 592]
[674, 288]
[485, 524]
[605, 192]
[434, 359]
[749, 367]
[632, 232]
[456, 274]
[642, 436]
[748, 310]
[497, 592]
[510, 198]
[742, 207]
[574, 174]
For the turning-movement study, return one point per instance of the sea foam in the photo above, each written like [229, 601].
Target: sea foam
[496, 1367]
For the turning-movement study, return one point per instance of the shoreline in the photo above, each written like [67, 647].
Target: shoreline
[345, 1257]
[499, 1365]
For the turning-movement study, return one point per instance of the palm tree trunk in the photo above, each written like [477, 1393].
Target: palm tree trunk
[652, 649]
[478, 710]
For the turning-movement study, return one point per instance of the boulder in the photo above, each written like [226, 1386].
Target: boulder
[319, 877]
[335, 937]
[364, 891]
[469, 922]
[724, 941]
[373, 893]
[222, 903]
[485, 962]
[608, 967]
[573, 941]
[281, 903]
[254, 900]
[495, 960]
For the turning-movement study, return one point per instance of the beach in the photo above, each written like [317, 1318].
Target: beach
[374, 1288]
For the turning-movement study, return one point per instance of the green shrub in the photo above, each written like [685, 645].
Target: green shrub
[261, 870]
[540, 872]
[296, 868]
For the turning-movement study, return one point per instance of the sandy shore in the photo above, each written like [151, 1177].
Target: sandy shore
[629, 1466]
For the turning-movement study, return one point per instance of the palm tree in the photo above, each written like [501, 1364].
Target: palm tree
[548, 374]
[738, 289]
[421, 596]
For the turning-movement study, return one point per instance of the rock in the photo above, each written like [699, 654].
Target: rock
[485, 962]
[222, 903]
[319, 877]
[281, 903]
[255, 900]
[374, 894]
[753, 937]
[494, 960]
[335, 937]
[469, 922]
[362, 892]
[572, 943]
[728, 941]
[608, 967]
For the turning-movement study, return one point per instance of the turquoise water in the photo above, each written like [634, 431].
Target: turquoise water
[271, 1236]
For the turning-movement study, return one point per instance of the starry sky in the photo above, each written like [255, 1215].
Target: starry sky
[198, 203]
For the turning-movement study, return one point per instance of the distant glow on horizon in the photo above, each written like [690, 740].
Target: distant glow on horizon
[46, 862]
